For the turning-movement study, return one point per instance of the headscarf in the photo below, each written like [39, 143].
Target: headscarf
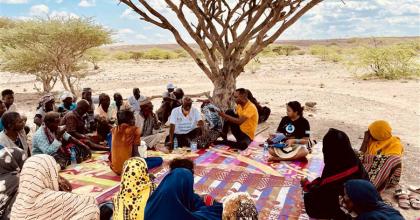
[136, 187]
[367, 202]
[239, 206]
[339, 156]
[175, 199]
[11, 162]
[384, 143]
[39, 196]
[66, 94]
[45, 99]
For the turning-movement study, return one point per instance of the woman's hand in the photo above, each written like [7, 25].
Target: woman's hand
[289, 142]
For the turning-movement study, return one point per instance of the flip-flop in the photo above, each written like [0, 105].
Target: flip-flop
[402, 196]
[403, 201]
[401, 191]
[414, 202]
[415, 189]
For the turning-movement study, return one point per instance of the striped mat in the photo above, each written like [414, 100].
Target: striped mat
[219, 171]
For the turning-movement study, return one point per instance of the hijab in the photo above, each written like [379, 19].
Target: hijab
[339, 156]
[11, 162]
[367, 201]
[135, 189]
[39, 196]
[383, 142]
[175, 199]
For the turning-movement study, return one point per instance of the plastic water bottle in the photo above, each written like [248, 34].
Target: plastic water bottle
[73, 156]
[175, 143]
[265, 148]
[193, 146]
[143, 150]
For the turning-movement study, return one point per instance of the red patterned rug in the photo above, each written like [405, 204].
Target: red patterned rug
[220, 171]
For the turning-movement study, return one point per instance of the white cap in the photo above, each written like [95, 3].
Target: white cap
[170, 86]
[66, 94]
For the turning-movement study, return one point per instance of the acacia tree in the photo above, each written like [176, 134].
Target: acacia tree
[52, 49]
[229, 33]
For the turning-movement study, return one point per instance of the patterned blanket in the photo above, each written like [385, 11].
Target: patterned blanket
[219, 171]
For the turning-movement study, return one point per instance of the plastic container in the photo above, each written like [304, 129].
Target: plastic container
[143, 149]
[73, 159]
[175, 143]
[193, 146]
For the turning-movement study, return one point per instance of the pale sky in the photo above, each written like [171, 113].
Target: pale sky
[329, 19]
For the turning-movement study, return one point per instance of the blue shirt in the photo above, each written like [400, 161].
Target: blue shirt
[72, 106]
[1, 125]
[41, 145]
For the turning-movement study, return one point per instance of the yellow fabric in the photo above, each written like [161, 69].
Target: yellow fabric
[383, 142]
[250, 112]
[136, 186]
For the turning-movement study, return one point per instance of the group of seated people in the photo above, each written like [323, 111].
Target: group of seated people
[348, 186]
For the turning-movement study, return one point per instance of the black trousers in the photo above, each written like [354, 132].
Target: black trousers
[184, 140]
[242, 139]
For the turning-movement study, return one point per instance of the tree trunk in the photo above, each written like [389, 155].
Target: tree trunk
[224, 86]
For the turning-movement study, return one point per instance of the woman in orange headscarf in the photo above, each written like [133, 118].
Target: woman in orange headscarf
[379, 140]
[381, 154]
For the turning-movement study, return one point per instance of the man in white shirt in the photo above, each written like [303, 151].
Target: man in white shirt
[135, 100]
[185, 124]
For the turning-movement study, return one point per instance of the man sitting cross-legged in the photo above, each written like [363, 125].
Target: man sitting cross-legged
[76, 125]
[150, 125]
[242, 124]
[50, 139]
[185, 124]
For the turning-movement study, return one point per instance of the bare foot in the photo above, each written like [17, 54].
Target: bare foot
[274, 160]
[163, 150]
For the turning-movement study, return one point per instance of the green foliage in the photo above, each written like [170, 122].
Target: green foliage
[327, 53]
[285, 49]
[51, 48]
[95, 55]
[121, 55]
[159, 54]
[136, 55]
[390, 62]
[181, 53]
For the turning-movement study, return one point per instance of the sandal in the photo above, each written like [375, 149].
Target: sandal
[403, 201]
[414, 202]
[402, 196]
[414, 189]
[401, 191]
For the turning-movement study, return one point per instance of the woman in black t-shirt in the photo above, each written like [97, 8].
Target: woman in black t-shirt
[294, 126]
[294, 131]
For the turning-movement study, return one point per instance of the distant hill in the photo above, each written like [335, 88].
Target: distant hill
[347, 42]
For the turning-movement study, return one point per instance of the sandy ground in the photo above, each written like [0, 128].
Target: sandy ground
[343, 101]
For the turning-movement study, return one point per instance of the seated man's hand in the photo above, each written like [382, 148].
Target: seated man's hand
[64, 185]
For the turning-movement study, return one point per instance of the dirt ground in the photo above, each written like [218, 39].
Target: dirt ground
[343, 101]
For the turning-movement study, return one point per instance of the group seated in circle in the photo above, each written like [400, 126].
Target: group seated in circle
[350, 183]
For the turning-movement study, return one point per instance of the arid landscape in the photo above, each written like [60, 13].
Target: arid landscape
[343, 101]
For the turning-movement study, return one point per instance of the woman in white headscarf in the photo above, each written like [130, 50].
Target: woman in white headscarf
[39, 196]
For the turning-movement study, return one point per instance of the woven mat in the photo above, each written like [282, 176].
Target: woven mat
[219, 171]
